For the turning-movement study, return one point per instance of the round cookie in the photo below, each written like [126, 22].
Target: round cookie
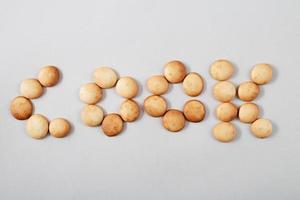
[224, 132]
[92, 115]
[31, 88]
[221, 70]
[90, 93]
[173, 120]
[175, 71]
[21, 108]
[261, 73]
[105, 77]
[129, 110]
[112, 125]
[224, 91]
[157, 85]
[226, 112]
[127, 87]
[37, 126]
[155, 106]
[248, 112]
[49, 76]
[59, 127]
[261, 128]
[193, 84]
[194, 111]
[248, 91]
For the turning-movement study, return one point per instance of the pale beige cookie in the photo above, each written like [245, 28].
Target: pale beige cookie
[127, 87]
[224, 132]
[221, 70]
[155, 106]
[261, 128]
[105, 77]
[92, 115]
[175, 71]
[59, 127]
[261, 73]
[37, 126]
[21, 108]
[226, 112]
[248, 112]
[49, 76]
[31, 88]
[112, 125]
[194, 111]
[90, 93]
[248, 91]
[173, 120]
[193, 84]
[157, 85]
[129, 110]
[224, 91]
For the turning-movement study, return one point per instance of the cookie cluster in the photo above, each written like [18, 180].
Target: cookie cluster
[91, 93]
[225, 92]
[21, 107]
[156, 105]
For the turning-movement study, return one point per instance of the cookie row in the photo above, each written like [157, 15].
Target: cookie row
[21, 108]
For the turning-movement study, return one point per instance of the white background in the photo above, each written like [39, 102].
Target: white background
[136, 38]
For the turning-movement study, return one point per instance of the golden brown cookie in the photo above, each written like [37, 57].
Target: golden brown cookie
[92, 115]
[224, 91]
[90, 93]
[248, 112]
[155, 106]
[261, 128]
[31, 88]
[226, 112]
[49, 76]
[129, 110]
[112, 125]
[248, 91]
[59, 127]
[224, 132]
[173, 120]
[261, 73]
[193, 84]
[194, 111]
[157, 85]
[21, 108]
[105, 77]
[127, 87]
[175, 71]
[221, 70]
[37, 126]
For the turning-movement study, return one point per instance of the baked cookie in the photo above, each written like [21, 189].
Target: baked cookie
[157, 85]
[175, 71]
[226, 112]
[112, 125]
[248, 112]
[193, 84]
[90, 93]
[59, 127]
[248, 91]
[92, 115]
[129, 110]
[221, 70]
[37, 126]
[105, 77]
[173, 120]
[224, 132]
[21, 108]
[127, 87]
[194, 111]
[261, 128]
[224, 91]
[155, 106]
[261, 73]
[49, 76]
[31, 88]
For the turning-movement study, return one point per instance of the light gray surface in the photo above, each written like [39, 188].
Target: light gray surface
[137, 38]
